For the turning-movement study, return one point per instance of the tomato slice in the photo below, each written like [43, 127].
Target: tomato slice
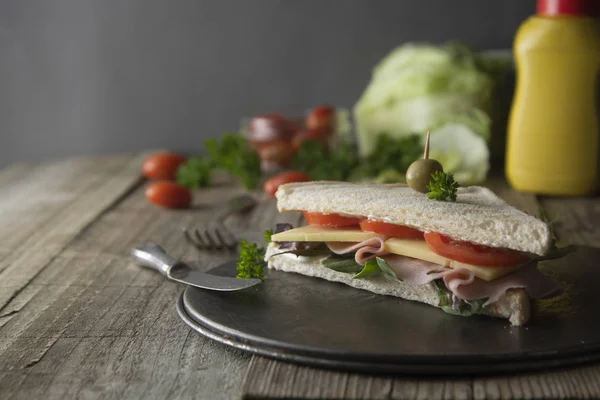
[334, 220]
[393, 230]
[472, 253]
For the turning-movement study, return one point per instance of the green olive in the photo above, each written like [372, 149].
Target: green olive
[419, 173]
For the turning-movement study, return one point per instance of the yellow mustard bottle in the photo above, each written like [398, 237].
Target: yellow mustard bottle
[552, 140]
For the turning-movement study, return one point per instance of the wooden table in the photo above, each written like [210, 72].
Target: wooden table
[79, 320]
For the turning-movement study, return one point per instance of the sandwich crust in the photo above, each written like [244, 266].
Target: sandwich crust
[477, 216]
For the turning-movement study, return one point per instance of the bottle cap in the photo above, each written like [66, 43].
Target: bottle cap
[551, 8]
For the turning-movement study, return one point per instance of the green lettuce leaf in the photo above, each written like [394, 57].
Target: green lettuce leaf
[369, 269]
[342, 264]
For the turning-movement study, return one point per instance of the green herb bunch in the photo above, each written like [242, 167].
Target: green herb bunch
[251, 261]
[195, 173]
[389, 159]
[231, 153]
[342, 162]
[322, 164]
[394, 153]
[442, 187]
[268, 233]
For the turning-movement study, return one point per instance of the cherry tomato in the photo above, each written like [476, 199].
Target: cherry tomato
[334, 220]
[273, 183]
[472, 253]
[169, 195]
[392, 230]
[321, 118]
[162, 165]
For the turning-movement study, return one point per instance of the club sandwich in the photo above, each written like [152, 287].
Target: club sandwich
[477, 255]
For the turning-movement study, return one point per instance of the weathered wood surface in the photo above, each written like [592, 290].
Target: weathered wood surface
[44, 207]
[79, 320]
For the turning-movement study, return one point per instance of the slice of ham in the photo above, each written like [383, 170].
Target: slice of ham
[464, 285]
[537, 285]
[415, 271]
[460, 281]
[365, 250]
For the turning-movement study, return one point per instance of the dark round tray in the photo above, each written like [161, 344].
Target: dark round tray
[311, 321]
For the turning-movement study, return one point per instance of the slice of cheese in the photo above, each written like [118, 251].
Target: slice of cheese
[421, 250]
[404, 247]
[316, 233]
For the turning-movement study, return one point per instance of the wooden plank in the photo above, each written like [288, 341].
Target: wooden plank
[272, 379]
[33, 195]
[14, 172]
[574, 383]
[94, 324]
[424, 389]
[104, 180]
[576, 220]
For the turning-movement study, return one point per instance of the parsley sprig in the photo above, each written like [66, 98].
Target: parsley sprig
[268, 233]
[251, 261]
[442, 187]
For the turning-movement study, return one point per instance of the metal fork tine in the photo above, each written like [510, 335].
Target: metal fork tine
[191, 241]
[203, 235]
[217, 239]
[214, 243]
[230, 244]
[202, 245]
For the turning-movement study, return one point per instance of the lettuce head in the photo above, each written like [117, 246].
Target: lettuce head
[445, 89]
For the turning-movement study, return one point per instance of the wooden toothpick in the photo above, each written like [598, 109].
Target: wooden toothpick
[426, 152]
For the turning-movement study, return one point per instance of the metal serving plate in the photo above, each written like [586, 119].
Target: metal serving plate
[312, 321]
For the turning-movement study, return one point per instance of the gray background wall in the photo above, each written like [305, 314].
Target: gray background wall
[98, 76]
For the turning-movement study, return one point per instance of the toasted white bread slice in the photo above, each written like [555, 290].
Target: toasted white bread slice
[478, 215]
[514, 305]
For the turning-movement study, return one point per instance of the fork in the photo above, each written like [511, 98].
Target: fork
[215, 239]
